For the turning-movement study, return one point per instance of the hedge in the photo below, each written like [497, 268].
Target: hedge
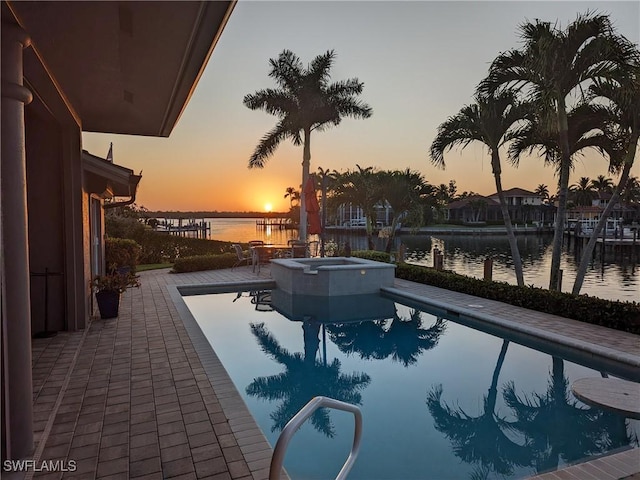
[623, 316]
[199, 263]
[165, 248]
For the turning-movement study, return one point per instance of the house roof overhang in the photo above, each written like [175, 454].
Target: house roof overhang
[121, 67]
[109, 180]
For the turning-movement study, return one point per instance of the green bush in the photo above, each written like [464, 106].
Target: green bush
[204, 262]
[372, 255]
[623, 316]
[164, 248]
[121, 252]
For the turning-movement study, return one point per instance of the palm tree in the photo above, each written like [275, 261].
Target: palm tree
[624, 133]
[631, 193]
[542, 191]
[582, 192]
[401, 190]
[602, 184]
[293, 194]
[304, 101]
[488, 121]
[327, 182]
[362, 188]
[553, 65]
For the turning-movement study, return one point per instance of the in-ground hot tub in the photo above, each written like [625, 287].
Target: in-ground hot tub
[331, 276]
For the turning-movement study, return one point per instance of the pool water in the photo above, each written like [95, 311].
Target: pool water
[439, 400]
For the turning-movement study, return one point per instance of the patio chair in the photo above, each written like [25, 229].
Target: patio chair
[241, 256]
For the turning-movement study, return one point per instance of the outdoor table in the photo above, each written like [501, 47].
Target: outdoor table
[264, 253]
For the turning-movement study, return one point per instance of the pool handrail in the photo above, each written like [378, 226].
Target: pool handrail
[296, 422]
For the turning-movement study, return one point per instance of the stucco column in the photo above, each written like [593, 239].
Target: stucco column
[16, 309]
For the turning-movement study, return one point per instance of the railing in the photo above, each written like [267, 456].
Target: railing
[296, 422]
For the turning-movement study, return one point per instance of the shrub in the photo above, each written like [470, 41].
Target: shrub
[372, 255]
[164, 248]
[623, 316]
[121, 252]
[199, 263]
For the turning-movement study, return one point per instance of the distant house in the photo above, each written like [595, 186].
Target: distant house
[474, 209]
[70, 67]
[525, 206]
[350, 215]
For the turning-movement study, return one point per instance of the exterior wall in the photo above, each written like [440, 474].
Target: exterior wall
[46, 219]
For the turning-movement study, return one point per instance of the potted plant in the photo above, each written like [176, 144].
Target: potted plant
[108, 289]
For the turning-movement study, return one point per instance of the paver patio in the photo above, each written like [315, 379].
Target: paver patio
[142, 397]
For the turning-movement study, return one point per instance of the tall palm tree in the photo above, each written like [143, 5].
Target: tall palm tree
[602, 184]
[362, 188]
[304, 101]
[582, 192]
[624, 116]
[488, 121]
[553, 65]
[401, 190]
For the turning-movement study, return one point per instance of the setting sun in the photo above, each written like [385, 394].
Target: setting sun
[268, 207]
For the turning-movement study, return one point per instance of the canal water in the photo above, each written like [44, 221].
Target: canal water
[614, 275]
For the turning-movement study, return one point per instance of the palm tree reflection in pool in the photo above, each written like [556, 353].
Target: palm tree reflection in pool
[402, 339]
[557, 427]
[303, 378]
[480, 440]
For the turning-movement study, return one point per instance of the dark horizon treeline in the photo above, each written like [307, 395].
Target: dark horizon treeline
[213, 214]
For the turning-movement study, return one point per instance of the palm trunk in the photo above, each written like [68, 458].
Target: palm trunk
[565, 164]
[588, 250]
[515, 252]
[306, 162]
[369, 228]
[392, 234]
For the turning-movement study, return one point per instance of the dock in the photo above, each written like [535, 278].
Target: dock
[185, 228]
[283, 223]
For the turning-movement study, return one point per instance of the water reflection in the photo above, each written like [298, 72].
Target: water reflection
[481, 440]
[303, 378]
[557, 427]
[402, 339]
[549, 428]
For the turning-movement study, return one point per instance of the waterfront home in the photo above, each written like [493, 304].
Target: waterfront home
[69, 67]
[474, 209]
[525, 206]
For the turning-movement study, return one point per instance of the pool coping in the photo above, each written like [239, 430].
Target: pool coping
[622, 363]
[249, 435]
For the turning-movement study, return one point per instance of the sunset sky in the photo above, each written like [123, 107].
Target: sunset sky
[420, 63]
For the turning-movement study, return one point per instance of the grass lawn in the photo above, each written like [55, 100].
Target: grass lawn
[152, 266]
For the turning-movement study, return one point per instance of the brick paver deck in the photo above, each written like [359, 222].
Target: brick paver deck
[143, 397]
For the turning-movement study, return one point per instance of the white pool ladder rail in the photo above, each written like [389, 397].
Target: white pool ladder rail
[296, 422]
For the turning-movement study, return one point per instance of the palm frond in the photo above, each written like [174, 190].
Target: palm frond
[267, 145]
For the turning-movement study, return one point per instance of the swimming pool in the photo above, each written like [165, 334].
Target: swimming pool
[440, 400]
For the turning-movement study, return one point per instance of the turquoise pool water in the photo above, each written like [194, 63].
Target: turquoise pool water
[440, 400]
